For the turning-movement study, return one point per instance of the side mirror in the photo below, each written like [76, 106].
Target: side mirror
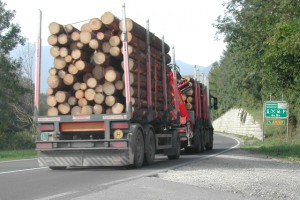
[214, 104]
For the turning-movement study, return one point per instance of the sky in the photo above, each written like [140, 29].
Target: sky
[186, 25]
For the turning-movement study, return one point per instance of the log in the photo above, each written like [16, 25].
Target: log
[96, 25]
[86, 110]
[53, 40]
[75, 36]
[54, 81]
[61, 96]
[90, 94]
[59, 63]
[110, 100]
[82, 102]
[79, 94]
[76, 86]
[56, 28]
[119, 84]
[110, 21]
[49, 91]
[52, 71]
[52, 111]
[189, 106]
[106, 47]
[134, 92]
[64, 39]
[69, 79]
[141, 33]
[63, 52]
[99, 88]
[97, 109]
[190, 92]
[82, 65]
[115, 41]
[68, 59]
[79, 54]
[51, 101]
[91, 82]
[61, 73]
[86, 37]
[86, 27]
[99, 98]
[72, 69]
[83, 86]
[54, 51]
[98, 72]
[64, 108]
[109, 88]
[94, 44]
[115, 52]
[104, 36]
[69, 28]
[76, 110]
[117, 108]
[190, 99]
[98, 58]
[111, 74]
[72, 101]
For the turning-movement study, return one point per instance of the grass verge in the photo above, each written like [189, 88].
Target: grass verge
[275, 147]
[17, 154]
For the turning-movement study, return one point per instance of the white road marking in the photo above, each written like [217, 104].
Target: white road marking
[57, 195]
[22, 170]
[6, 161]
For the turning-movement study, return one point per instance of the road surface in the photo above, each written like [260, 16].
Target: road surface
[23, 179]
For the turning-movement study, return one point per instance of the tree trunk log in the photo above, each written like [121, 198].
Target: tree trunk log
[98, 109]
[52, 111]
[117, 108]
[56, 28]
[61, 96]
[109, 88]
[76, 110]
[51, 101]
[110, 21]
[87, 110]
[90, 94]
[64, 108]
[99, 98]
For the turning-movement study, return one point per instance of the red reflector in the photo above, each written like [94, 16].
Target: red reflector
[44, 145]
[181, 130]
[119, 125]
[118, 144]
[46, 127]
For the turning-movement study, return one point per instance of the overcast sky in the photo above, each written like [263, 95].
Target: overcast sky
[186, 25]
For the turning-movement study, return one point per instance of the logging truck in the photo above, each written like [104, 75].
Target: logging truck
[116, 98]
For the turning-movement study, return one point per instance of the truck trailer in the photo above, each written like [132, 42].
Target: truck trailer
[116, 98]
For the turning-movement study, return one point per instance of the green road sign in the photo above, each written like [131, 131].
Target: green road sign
[276, 109]
[276, 122]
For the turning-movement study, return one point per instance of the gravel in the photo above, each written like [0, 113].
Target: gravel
[242, 172]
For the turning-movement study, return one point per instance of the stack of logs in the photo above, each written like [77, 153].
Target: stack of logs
[87, 73]
[186, 85]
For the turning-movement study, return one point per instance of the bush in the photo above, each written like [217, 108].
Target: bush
[20, 140]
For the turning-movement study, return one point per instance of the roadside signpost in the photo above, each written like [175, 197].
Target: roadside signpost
[276, 113]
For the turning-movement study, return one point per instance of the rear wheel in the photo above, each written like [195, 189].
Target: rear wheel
[209, 146]
[139, 149]
[177, 149]
[150, 148]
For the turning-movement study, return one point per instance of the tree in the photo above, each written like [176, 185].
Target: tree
[10, 87]
[262, 54]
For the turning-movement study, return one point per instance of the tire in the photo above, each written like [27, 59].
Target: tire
[139, 149]
[210, 145]
[200, 143]
[177, 149]
[58, 167]
[150, 147]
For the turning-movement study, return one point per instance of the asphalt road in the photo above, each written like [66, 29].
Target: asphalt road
[23, 179]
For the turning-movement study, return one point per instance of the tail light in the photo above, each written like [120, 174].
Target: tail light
[119, 125]
[46, 127]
